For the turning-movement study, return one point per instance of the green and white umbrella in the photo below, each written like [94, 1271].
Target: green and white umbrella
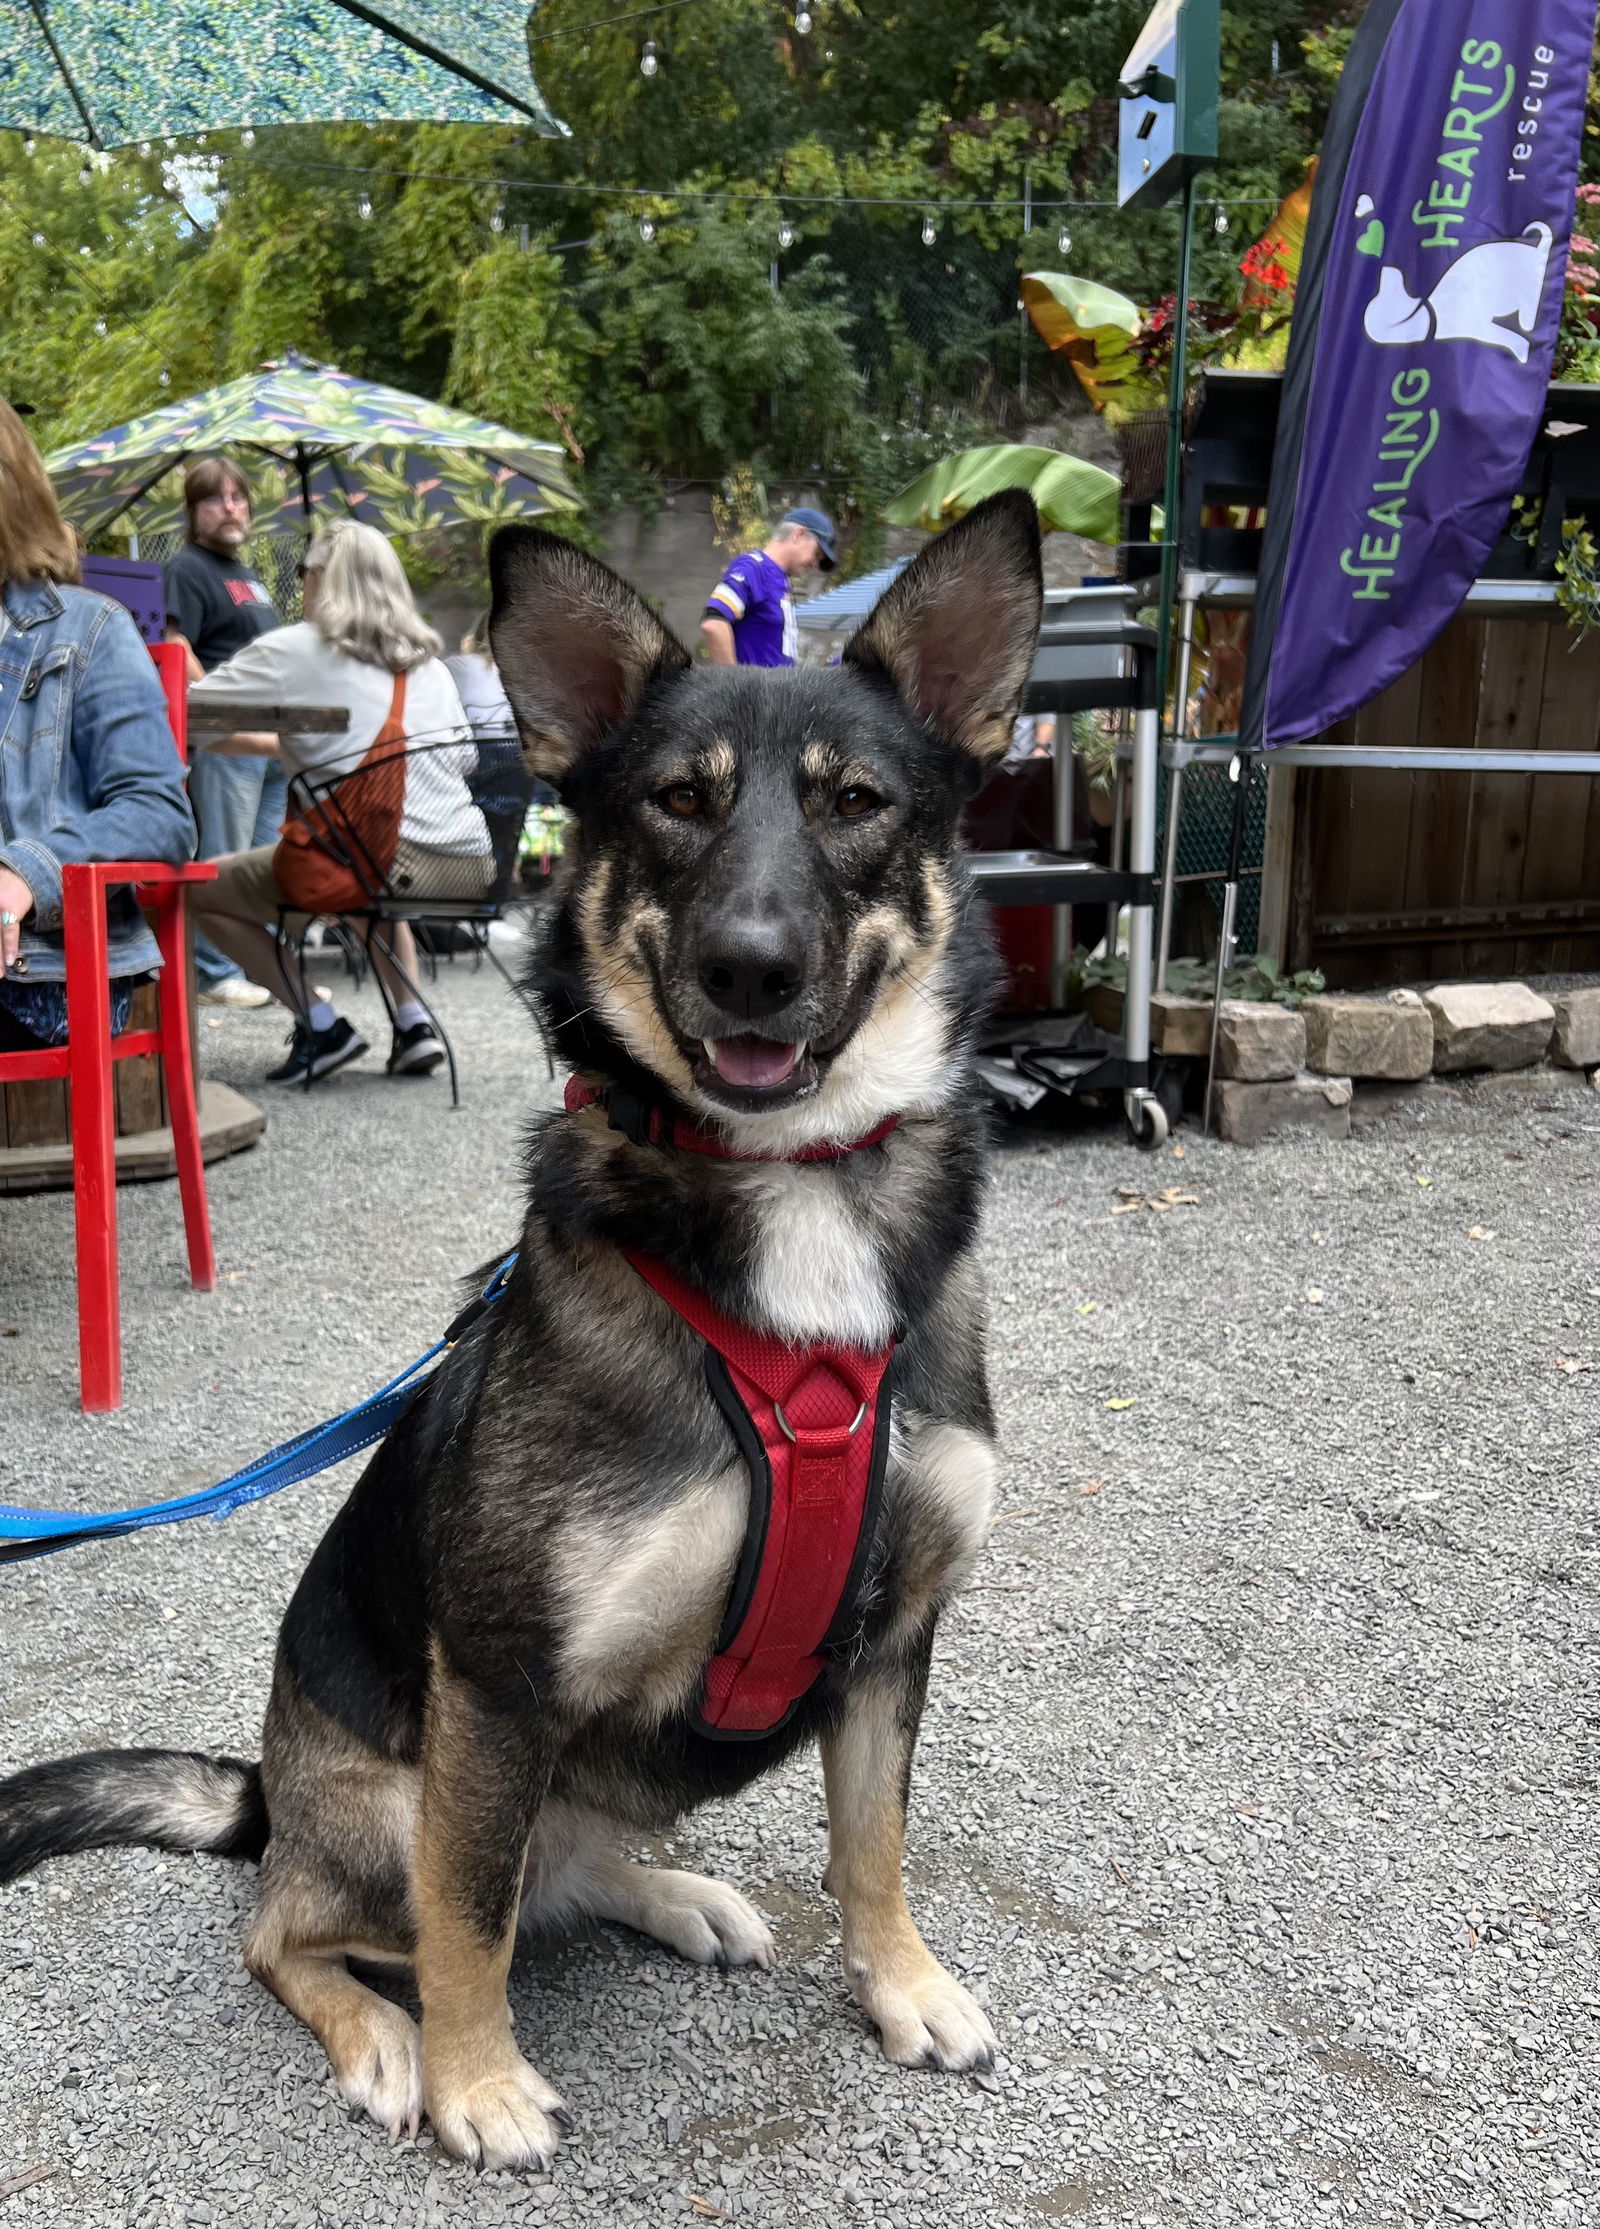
[109, 73]
[313, 441]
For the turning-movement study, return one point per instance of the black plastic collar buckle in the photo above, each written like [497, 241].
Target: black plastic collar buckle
[638, 1121]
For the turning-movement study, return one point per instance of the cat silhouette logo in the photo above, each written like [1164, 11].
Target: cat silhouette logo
[1491, 294]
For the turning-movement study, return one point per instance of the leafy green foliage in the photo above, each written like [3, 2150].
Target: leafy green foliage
[1259, 978]
[700, 358]
[499, 278]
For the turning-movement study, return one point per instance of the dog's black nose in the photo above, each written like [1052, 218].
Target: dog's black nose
[750, 970]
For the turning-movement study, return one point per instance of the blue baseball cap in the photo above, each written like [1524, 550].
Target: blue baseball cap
[819, 524]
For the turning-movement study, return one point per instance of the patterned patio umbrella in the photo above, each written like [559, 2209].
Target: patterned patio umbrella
[313, 440]
[110, 72]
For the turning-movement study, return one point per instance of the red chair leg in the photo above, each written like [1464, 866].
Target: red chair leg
[94, 1141]
[178, 1067]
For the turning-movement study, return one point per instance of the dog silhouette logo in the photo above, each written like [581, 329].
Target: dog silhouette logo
[1490, 294]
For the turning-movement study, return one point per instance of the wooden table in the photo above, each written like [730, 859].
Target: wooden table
[207, 723]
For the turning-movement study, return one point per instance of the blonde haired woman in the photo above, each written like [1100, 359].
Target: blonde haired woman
[364, 645]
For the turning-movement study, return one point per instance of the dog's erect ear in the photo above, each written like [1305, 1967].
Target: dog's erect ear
[956, 632]
[575, 645]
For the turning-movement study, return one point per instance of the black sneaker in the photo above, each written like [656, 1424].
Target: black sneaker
[415, 1051]
[319, 1051]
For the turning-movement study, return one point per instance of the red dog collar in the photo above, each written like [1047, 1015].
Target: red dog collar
[815, 1434]
[648, 1124]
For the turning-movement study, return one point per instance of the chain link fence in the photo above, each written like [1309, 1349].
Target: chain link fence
[1204, 830]
[276, 557]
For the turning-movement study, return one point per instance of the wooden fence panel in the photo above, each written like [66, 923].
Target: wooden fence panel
[1402, 876]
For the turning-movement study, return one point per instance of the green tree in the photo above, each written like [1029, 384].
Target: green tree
[507, 272]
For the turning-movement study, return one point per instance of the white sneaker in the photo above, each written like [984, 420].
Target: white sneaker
[234, 990]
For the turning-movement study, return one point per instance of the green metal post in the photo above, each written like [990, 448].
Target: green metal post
[1175, 411]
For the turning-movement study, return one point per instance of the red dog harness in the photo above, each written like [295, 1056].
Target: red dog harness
[814, 1433]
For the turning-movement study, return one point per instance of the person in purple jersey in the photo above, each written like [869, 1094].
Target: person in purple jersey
[749, 617]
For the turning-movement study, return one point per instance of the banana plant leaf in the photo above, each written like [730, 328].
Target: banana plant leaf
[109, 72]
[1072, 496]
[1096, 329]
[311, 440]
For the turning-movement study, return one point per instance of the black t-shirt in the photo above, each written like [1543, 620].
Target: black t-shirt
[217, 604]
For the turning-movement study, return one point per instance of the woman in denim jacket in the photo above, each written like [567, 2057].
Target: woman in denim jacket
[87, 764]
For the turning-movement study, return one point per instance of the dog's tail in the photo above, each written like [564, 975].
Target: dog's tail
[173, 1798]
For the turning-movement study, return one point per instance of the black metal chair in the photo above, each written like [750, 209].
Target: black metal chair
[423, 884]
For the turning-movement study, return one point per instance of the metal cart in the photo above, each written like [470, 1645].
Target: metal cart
[1092, 656]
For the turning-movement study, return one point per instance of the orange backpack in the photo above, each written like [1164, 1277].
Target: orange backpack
[335, 854]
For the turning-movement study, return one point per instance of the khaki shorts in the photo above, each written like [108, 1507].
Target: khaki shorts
[246, 888]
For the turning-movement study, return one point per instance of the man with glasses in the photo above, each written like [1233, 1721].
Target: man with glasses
[215, 606]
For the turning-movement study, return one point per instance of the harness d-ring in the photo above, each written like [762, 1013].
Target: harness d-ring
[788, 1428]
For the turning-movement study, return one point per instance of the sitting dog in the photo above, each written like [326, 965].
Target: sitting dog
[514, 1647]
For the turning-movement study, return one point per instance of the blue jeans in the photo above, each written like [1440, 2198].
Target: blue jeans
[239, 803]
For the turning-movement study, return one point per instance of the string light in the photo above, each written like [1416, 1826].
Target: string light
[27, 143]
[364, 207]
[497, 223]
[786, 234]
[930, 232]
[648, 63]
[1064, 241]
[85, 175]
[247, 138]
[100, 326]
[1221, 218]
[38, 239]
[647, 230]
[166, 375]
[802, 21]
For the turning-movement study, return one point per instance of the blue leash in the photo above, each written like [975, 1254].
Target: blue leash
[41, 1532]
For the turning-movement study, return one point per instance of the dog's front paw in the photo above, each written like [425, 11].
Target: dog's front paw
[381, 2071]
[925, 2018]
[704, 1919]
[508, 2116]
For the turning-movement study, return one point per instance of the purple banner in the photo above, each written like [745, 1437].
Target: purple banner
[1425, 323]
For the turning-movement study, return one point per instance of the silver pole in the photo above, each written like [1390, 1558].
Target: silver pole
[1119, 799]
[1142, 861]
[1061, 834]
[1230, 901]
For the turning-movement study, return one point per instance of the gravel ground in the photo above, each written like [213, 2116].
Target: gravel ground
[1257, 1790]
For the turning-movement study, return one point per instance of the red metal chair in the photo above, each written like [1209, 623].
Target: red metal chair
[86, 1061]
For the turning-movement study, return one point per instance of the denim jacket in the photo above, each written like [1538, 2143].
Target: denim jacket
[87, 765]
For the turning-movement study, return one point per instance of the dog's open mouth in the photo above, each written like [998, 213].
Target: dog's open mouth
[750, 1071]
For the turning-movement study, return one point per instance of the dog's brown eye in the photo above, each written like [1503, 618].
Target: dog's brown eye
[683, 799]
[851, 803]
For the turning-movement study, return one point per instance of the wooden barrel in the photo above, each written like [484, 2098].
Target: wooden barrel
[36, 1120]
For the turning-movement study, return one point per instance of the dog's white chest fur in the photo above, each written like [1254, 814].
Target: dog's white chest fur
[817, 1268]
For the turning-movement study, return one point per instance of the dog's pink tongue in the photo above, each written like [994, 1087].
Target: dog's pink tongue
[756, 1062]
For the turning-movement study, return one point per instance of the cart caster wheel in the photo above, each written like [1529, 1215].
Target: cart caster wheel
[1148, 1125]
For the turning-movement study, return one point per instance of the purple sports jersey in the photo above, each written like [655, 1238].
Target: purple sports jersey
[753, 596]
